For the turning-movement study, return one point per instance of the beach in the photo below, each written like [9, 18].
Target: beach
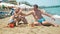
[50, 6]
[25, 29]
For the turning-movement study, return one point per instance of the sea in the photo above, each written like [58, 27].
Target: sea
[54, 11]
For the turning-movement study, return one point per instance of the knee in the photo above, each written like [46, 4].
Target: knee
[35, 22]
[46, 23]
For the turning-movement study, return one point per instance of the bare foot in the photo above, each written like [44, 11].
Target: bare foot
[56, 25]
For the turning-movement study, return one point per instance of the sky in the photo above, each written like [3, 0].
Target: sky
[42, 2]
[0, 0]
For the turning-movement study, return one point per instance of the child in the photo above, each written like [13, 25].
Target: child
[17, 17]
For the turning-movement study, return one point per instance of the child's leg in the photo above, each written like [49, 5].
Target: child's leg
[12, 21]
[19, 21]
[24, 20]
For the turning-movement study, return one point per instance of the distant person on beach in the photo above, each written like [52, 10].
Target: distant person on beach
[3, 7]
[17, 17]
[11, 11]
[39, 19]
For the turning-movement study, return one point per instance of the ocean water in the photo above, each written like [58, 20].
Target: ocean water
[53, 11]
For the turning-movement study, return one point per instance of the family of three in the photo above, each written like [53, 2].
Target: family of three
[37, 14]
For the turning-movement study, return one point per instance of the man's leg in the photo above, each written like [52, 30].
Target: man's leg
[37, 23]
[49, 23]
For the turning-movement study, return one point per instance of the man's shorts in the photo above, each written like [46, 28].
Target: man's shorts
[41, 20]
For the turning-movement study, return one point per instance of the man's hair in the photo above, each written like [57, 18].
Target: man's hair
[36, 5]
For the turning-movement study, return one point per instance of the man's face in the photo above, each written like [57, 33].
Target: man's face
[35, 7]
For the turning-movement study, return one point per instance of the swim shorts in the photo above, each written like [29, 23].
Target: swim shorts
[41, 20]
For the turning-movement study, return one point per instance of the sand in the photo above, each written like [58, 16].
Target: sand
[25, 29]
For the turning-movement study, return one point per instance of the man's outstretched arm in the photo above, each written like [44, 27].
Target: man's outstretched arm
[49, 15]
[29, 13]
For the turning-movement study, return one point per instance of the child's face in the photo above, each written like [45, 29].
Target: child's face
[17, 10]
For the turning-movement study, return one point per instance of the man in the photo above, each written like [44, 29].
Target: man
[39, 20]
[17, 17]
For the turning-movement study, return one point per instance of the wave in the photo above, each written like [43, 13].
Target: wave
[56, 16]
[49, 6]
